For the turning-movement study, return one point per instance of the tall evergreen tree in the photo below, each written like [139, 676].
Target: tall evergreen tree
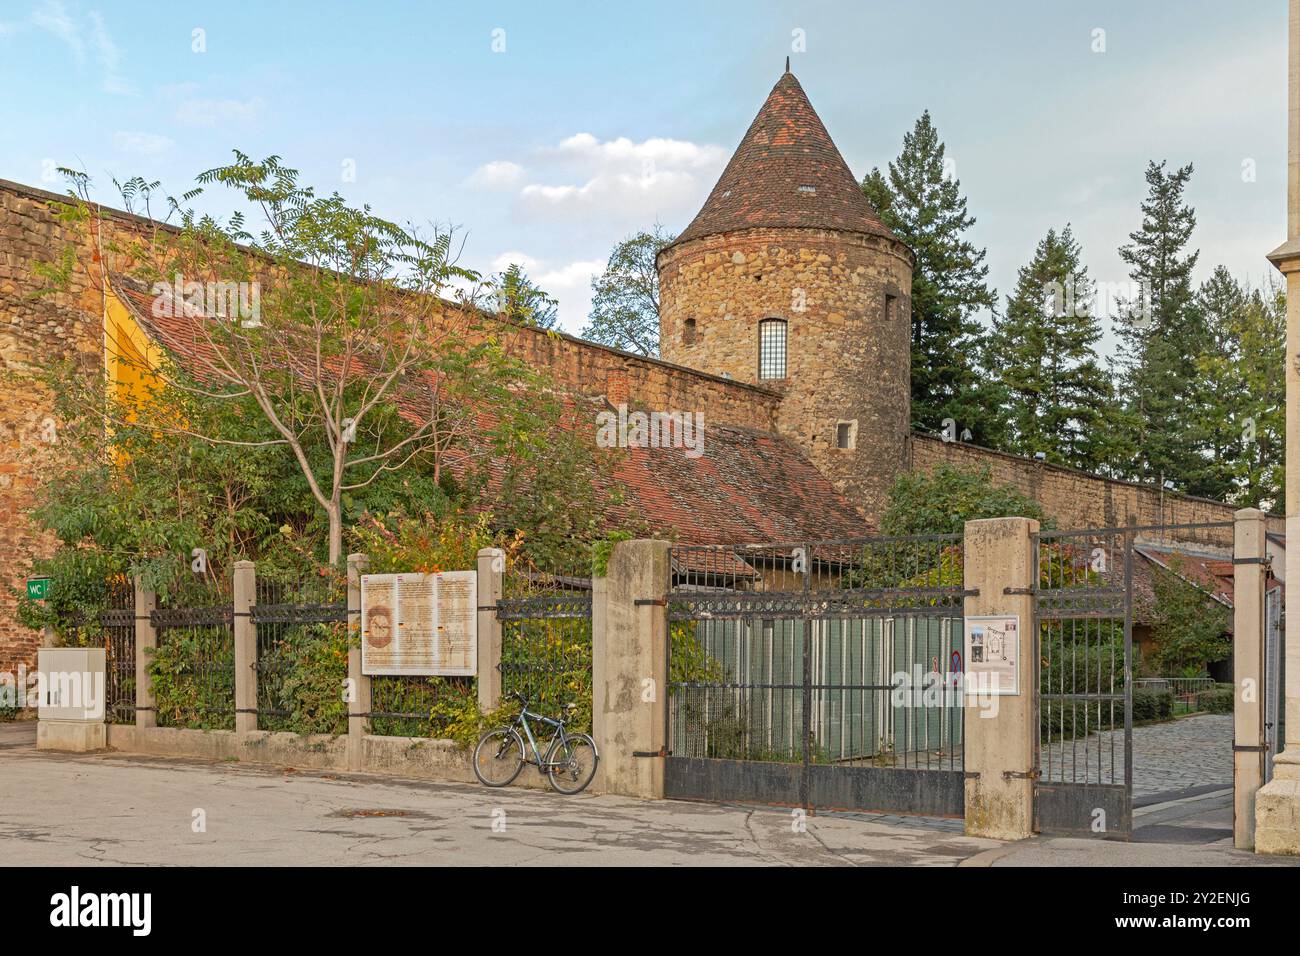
[1042, 355]
[1161, 335]
[1239, 395]
[926, 210]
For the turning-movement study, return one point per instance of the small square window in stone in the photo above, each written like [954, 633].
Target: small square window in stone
[844, 434]
[771, 348]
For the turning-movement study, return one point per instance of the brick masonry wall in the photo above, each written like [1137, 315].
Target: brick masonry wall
[1077, 499]
[37, 332]
[595, 371]
[847, 360]
[33, 334]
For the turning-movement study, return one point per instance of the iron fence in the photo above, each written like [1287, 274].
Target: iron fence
[546, 646]
[117, 627]
[301, 659]
[193, 667]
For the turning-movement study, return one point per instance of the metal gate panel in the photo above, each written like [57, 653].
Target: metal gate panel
[1083, 632]
[784, 672]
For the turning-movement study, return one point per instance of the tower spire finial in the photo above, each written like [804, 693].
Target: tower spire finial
[787, 64]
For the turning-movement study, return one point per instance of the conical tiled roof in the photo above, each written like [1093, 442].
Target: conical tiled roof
[786, 172]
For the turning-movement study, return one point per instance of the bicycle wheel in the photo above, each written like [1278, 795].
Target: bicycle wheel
[571, 763]
[499, 757]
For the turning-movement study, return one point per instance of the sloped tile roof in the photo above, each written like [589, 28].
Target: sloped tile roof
[786, 172]
[745, 486]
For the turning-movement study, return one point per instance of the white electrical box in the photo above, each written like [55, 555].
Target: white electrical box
[72, 684]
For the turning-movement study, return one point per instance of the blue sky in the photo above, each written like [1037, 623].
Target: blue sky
[599, 119]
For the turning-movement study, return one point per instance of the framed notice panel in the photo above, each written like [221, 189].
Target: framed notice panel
[420, 623]
[992, 655]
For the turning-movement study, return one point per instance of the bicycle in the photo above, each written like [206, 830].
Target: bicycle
[570, 761]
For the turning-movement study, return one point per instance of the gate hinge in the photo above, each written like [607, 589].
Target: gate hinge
[1018, 590]
[971, 775]
[1263, 560]
[661, 752]
[1249, 748]
[652, 602]
[1021, 774]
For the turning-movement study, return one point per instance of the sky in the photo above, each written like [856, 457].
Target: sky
[547, 132]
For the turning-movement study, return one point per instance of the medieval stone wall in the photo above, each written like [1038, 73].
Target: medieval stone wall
[34, 333]
[1077, 499]
[595, 371]
[845, 298]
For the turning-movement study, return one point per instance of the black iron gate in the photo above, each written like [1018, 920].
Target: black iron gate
[1083, 608]
[818, 675]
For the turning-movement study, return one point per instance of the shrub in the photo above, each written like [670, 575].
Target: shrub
[305, 671]
[1221, 700]
[192, 671]
[1152, 704]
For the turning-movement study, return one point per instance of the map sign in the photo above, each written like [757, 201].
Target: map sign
[992, 653]
[420, 623]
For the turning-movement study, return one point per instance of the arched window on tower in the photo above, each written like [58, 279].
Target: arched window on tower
[771, 349]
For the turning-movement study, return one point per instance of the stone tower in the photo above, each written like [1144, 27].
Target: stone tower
[788, 279]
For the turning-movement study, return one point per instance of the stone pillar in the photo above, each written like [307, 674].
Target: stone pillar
[629, 647]
[359, 706]
[146, 639]
[998, 557]
[491, 570]
[1277, 805]
[245, 596]
[1247, 671]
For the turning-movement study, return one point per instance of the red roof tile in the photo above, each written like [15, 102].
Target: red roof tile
[745, 486]
[787, 172]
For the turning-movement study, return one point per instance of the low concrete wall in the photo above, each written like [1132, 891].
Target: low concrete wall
[419, 758]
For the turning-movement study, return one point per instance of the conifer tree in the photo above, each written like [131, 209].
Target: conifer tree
[922, 203]
[1042, 355]
[1161, 334]
[1239, 395]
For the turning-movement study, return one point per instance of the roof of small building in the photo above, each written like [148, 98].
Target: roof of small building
[786, 173]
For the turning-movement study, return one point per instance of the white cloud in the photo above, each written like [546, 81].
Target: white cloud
[501, 174]
[143, 144]
[620, 181]
[212, 112]
[53, 17]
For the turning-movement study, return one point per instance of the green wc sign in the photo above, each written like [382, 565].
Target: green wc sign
[38, 588]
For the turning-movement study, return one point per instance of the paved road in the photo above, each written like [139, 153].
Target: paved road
[118, 809]
[1168, 758]
[1191, 752]
[1189, 831]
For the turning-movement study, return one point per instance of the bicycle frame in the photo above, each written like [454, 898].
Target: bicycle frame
[522, 721]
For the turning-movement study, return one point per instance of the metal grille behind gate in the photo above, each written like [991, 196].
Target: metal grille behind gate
[1084, 612]
[816, 675]
[1083, 778]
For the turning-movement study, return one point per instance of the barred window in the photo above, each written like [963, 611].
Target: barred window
[771, 348]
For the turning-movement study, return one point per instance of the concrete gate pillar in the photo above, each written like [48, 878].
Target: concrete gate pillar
[629, 645]
[1247, 672]
[1277, 806]
[146, 640]
[491, 572]
[245, 634]
[359, 705]
[999, 562]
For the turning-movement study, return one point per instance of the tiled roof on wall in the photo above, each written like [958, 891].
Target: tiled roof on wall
[745, 486]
